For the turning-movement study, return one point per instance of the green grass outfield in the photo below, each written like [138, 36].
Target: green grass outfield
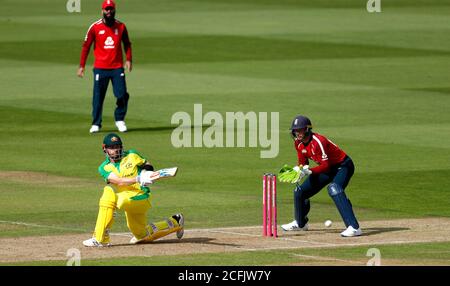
[377, 84]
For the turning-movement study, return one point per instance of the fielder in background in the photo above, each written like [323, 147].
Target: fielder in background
[128, 176]
[107, 34]
[335, 169]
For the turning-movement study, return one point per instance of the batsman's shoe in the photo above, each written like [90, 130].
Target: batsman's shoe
[293, 226]
[92, 242]
[350, 231]
[121, 126]
[94, 129]
[180, 219]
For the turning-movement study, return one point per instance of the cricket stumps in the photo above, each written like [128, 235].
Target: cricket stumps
[270, 205]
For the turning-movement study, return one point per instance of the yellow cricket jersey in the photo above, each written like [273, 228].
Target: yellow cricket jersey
[128, 166]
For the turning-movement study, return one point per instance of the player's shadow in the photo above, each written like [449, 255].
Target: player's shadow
[197, 240]
[151, 129]
[374, 230]
[377, 230]
[154, 128]
[139, 129]
[366, 231]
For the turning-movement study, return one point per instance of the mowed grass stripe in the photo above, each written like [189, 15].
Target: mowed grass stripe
[181, 49]
[274, 76]
[359, 72]
[429, 39]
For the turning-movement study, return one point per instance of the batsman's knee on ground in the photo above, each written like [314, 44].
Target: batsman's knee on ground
[159, 229]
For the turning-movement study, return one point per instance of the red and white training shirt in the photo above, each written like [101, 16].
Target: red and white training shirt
[107, 45]
[322, 151]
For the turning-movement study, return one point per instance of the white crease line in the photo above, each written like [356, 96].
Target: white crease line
[274, 248]
[342, 245]
[306, 241]
[127, 234]
[391, 242]
[257, 235]
[40, 225]
[325, 258]
[228, 232]
[224, 228]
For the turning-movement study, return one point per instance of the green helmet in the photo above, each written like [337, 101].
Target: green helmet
[112, 139]
[110, 142]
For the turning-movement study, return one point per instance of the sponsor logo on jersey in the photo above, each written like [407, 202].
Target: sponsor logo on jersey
[109, 43]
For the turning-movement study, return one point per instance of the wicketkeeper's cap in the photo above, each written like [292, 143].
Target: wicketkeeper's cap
[108, 3]
[112, 139]
[301, 122]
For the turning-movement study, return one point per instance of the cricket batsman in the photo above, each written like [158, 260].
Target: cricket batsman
[334, 168]
[128, 175]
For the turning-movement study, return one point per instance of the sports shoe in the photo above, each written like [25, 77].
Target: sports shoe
[121, 126]
[92, 242]
[180, 219]
[294, 226]
[350, 231]
[94, 129]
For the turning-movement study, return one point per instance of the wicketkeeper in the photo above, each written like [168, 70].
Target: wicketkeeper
[335, 169]
[128, 176]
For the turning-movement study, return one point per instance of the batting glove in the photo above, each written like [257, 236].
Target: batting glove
[144, 178]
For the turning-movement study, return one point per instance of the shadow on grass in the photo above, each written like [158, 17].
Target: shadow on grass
[153, 129]
[196, 240]
[366, 231]
[378, 230]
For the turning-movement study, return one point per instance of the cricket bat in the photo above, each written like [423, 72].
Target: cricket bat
[164, 173]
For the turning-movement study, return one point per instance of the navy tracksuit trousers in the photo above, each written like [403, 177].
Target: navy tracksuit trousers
[101, 81]
[338, 178]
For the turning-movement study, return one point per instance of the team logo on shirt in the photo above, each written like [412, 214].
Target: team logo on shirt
[304, 151]
[101, 32]
[109, 43]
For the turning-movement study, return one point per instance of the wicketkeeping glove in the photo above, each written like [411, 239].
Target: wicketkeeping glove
[288, 174]
[293, 175]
